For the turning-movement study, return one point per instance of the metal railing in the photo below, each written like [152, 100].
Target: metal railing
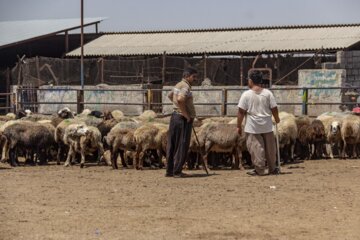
[149, 104]
[7, 101]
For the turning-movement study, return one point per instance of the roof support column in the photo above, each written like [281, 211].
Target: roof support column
[66, 41]
[205, 65]
[82, 46]
[163, 72]
[241, 70]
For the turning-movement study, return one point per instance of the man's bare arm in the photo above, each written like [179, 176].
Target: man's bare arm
[275, 113]
[240, 118]
[182, 102]
[170, 96]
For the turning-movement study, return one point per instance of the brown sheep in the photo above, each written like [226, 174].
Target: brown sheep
[148, 137]
[119, 139]
[223, 138]
[27, 135]
[314, 136]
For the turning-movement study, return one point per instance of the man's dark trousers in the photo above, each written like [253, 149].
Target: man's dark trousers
[178, 143]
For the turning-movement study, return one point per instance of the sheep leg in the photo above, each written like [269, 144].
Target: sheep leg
[136, 159]
[82, 163]
[330, 150]
[239, 154]
[100, 153]
[160, 154]
[59, 154]
[292, 150]
[235, 159]
[12, 155]
[70, 156]
[122, 157]
[5, 151]
[141, 161]
[312, 151]
[29, 157]
[354, 155]
[344, 150]
[114, 155]
[208, 146]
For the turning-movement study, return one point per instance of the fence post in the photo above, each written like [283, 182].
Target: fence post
[149, 92]
[80, 100]
[8, 98]
[18, 98]
[305, 97]
[224, 102]
[14, 102]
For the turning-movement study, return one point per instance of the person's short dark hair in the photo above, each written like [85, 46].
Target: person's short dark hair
[256, 77]
[189, 71]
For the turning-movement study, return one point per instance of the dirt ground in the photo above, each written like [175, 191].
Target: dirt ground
[311, 200]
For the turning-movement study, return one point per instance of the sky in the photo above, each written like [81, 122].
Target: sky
[137, 15]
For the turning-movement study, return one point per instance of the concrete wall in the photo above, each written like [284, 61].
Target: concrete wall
[214, 94]
[201, 95]
[322, 78]
[58, 94]
[307, 78]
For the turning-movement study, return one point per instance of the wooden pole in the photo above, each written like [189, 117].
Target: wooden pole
[80, 100]
[163, 74]
[19, 73]
[82, 45]
[241, 70]
[101, 60]
[66, 41]
[205, 66]
[38, 70]
[8, 89]
[224, 102]
[149, 98]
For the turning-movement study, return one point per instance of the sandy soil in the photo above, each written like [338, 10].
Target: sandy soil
[313, 200]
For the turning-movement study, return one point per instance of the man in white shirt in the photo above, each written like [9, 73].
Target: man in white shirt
[258, 105]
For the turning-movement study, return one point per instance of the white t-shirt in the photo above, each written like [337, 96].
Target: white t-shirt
[258, 107]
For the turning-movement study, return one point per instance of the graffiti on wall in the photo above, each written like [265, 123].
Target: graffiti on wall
[62, 96]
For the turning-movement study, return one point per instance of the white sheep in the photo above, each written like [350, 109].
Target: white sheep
[350, 132]
[84, 140]
[288, 132]
[332, 124]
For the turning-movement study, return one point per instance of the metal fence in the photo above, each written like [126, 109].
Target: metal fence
[7, 101]
[148, 103]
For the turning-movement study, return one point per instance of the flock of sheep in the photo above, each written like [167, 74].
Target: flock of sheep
[107, 136]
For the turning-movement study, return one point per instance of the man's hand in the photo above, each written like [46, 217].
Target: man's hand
[277, 119]
[188, 119]
[239, 130]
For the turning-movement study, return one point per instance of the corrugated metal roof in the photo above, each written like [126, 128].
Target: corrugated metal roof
[12, 32]
[247, 40]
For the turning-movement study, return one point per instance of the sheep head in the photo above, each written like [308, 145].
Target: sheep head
[65, 113]
[335, 128]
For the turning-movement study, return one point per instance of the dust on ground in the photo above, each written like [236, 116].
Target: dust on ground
[311, 200]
